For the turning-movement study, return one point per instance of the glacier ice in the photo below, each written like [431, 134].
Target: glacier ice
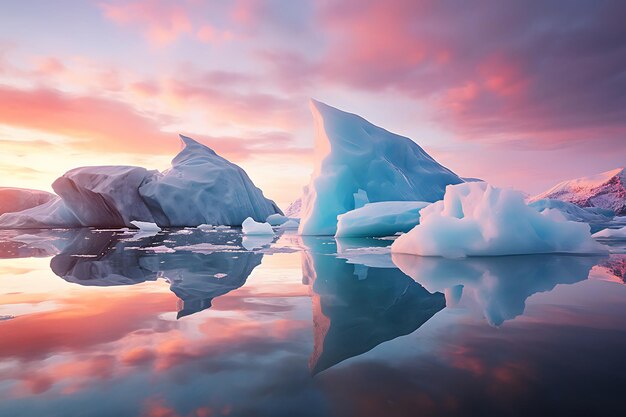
[606, 190]
[611, 233]
[202, 187]
[573, 212]
[289, 224]
[105, 196]
[476, 219]
[276, 219]
[17, 199]
[250, 227]
[146, 226]
[50, 215]
[357, 157]
[384, 218]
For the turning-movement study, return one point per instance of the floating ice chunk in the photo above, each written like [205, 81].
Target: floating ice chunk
[573, 212]
[611, 233]
[276, 219]
[290, 224]
[207, 248]
[380, 219]
[222, 227]
[205, 227]
[476, 219]
[353, 154]
[146, 226]
[158, 249]
[250, 227]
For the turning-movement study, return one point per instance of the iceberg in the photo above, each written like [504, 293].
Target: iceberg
[289, 224]
[105, 196]
[357, 157]
[276, 219]
[250, 227]
[606, 190]
[573, 212]
[476, 219]
[385, 218]
[201, 187]
[17, 199]
[611, 233]
[146, 226]
[50, 215]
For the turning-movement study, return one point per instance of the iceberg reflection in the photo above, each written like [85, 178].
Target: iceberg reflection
[502, 283]
[109, 258]
[357, 307]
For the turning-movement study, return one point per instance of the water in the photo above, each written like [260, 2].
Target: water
[95, 323]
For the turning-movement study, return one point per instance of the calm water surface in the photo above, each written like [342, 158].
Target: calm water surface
[194, 323]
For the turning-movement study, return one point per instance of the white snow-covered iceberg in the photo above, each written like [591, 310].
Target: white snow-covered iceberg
[359, 162]
[606, 190]
[202, 187]
[146, 226]
[385, 218]
[611, 234]
[476, 219]
[250, 227]
[17, 199]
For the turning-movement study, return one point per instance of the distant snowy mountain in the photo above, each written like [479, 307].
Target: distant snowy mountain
[294, 208]
[358, 162]
[606, 190]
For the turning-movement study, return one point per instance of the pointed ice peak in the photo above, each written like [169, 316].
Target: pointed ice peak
[190, 144]
[193, 150]
[357, 158]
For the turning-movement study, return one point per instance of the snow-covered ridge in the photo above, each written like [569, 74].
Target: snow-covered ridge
[605, 190]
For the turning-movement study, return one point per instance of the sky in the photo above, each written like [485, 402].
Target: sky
[521, 94]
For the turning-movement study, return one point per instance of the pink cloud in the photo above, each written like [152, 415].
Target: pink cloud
[101, 124]
[162, 22]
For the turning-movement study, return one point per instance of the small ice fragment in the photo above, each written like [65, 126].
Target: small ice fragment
[250, 227]
[146, 226]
